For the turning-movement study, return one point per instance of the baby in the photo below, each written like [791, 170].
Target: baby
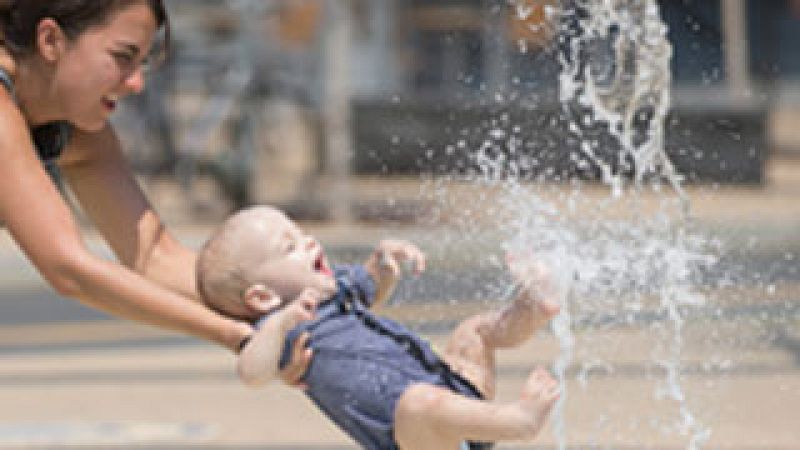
[378, 381]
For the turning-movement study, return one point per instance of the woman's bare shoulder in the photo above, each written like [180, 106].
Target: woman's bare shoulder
[12, 122]
[7, 62]
[10, 115]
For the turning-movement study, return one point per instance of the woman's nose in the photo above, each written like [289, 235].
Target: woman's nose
[134, 82]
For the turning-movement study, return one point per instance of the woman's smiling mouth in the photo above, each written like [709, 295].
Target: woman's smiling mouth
[110, 102]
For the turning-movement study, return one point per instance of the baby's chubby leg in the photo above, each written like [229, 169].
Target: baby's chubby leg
[536, 302]
[433, 418]
[471, 348]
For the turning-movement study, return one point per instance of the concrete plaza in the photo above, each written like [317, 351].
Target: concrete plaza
[70, 378]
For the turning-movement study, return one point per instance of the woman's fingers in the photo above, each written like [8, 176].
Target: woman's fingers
[293, 373]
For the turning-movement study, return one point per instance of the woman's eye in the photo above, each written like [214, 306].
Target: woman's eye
[123, 58]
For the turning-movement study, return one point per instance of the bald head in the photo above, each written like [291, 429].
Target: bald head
[225, 265]
[257, 260]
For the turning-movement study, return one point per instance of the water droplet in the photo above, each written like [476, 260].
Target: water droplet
[497, 134]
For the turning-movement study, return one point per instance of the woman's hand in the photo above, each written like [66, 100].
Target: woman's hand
[300, 310]
[293, 373]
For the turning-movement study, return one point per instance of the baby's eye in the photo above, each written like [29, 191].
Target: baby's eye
[290, 247]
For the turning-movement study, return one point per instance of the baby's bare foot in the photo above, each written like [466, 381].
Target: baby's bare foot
[537, 399]
[536, 286]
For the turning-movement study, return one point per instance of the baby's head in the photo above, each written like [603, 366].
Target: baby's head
[258, 260]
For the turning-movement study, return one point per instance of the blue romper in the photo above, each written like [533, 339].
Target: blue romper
[50, 138]
[363, 363]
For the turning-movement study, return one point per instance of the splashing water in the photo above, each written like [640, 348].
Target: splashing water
[632, 259]
[615, 273]
[616, 64]
[615, 75]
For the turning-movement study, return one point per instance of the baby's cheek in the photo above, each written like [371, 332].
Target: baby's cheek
[325, 284]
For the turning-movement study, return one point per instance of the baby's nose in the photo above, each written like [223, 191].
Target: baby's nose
[311, 243]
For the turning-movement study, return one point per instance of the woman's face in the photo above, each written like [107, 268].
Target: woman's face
[103, 65]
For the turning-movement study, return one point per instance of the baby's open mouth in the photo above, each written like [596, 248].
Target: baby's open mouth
[320, 266]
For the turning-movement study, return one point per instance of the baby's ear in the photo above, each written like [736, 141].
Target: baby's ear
[261, 299]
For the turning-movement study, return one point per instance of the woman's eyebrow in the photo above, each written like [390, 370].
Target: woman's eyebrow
[133, 48]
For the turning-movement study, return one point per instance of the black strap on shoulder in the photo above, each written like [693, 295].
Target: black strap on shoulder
[5, 78]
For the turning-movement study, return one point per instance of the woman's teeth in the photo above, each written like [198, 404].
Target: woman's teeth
[110, 101]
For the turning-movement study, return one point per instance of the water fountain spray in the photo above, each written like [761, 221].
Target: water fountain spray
[627, 257]
[615, 81]
[615, 60]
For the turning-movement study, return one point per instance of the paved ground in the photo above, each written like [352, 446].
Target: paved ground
[71, 378]
[117, 385]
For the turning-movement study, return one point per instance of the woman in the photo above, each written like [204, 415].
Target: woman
[65, 66]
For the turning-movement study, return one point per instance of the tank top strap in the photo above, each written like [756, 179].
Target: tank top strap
[6, 80]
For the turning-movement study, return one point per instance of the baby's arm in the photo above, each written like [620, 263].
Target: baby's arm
[383, 265]
[258, 361]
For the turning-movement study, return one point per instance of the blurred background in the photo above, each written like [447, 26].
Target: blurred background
[267, 101]
[363, 119]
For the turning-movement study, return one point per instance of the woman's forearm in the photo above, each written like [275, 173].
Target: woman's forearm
[170, 264]
[107, 286]
[99, 177]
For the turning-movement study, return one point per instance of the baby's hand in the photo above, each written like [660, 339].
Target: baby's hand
[299, 310]
[384, 264]
[390, 253]
[259, 359]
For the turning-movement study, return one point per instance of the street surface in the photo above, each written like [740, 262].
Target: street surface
[73, 378]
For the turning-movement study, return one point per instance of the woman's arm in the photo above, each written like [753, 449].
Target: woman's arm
[99, 176]
[42, 225]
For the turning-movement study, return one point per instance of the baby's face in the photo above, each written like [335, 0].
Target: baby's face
[291, 260]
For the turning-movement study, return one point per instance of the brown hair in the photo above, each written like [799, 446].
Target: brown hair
[20, 18]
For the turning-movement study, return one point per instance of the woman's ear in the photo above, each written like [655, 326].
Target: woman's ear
[260, 299]
[50, 39]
